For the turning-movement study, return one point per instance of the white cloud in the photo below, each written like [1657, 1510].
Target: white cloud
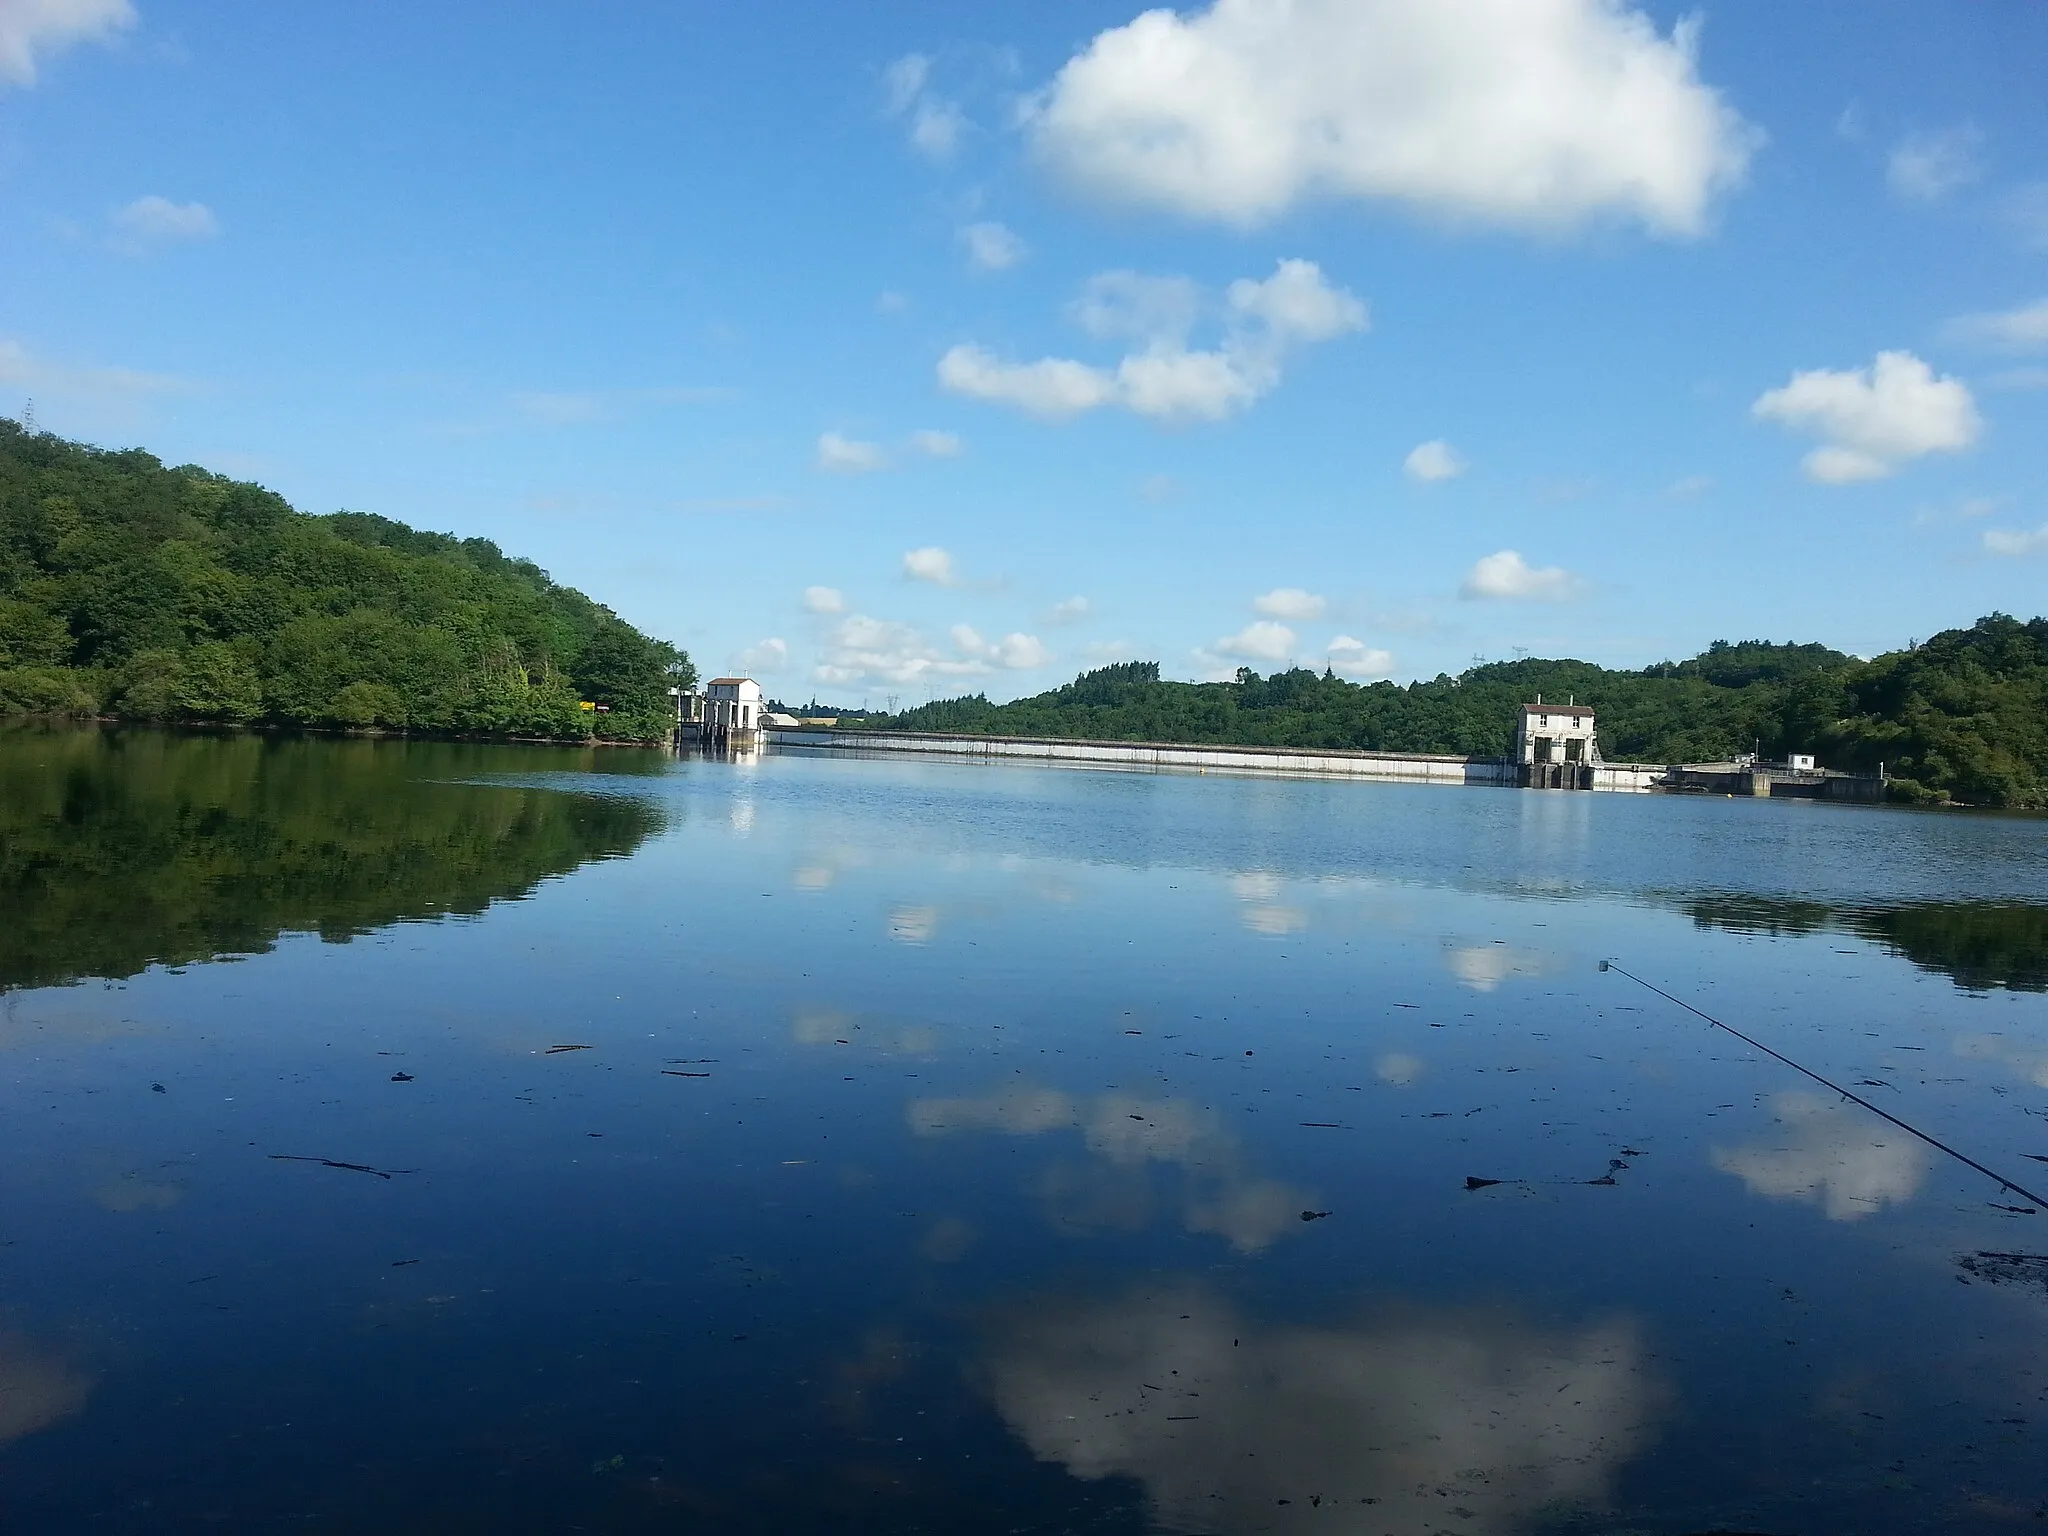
[864, 650]
[1836, 1156]
[1164, 378]
[903, 82]
[1262, 641]
[1871, 420]
[2016, 543]
[1157, 487]
[930, 564]
[1689, 486]
[1014, 652]
[1052, 387]
[1505, 574]
[1069, 610]
[1289, 603]
[1433, 461]
[1353, 658]
[848, 456]
[29, 28]
[556, 408]
[890, 302]
[992, 247]
[1926, 167]
[770, 655]
[2024, 329]
[824, 600]
[1488, 1416]
[151, 222]
[937, 445]
[936, 125]
[1495, 111]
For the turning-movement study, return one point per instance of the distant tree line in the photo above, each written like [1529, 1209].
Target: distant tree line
[133, 590]
[1962, 717]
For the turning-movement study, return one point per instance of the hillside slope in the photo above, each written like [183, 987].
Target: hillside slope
[135, 590]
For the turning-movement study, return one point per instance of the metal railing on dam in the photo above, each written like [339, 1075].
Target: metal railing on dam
[1168, 757]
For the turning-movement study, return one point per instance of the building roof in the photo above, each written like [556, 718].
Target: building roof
[1557, 709]
[727, 682]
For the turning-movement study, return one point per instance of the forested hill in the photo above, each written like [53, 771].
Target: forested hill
[148, 593]
[1962, 717]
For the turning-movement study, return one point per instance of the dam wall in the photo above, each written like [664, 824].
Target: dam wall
[1158, 757]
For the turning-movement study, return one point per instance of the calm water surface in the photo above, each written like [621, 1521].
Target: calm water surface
[425, 1138]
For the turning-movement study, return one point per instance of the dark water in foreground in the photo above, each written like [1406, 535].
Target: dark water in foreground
[937, 1142]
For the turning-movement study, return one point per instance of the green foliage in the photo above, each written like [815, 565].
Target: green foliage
[177, 595]
[120, 849]
[1963, 717]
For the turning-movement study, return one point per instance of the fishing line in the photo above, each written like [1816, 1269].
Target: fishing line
[1913, 1130]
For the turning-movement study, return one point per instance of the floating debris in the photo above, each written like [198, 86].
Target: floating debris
[556, 1050]
[158, 1088]
[2028, 1269]
[401, 1077]
[1313, 1215]
[1475, 1183]
[671, 1072]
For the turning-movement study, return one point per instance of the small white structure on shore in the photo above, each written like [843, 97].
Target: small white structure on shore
[733, 707]
[1555, 745]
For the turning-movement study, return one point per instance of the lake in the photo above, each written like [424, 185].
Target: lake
[419, 1137]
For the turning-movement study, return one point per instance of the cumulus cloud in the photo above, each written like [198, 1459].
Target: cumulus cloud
[1069, 610]
[149, 223]
[2024, 329]
[937, 445]
[842, 455]
[1353, 658]
[859, 649]
[1926, 167]
[935, 124]
[1262, 641]
[1537, 116]
[931, 564]
[1222, 1418]
[2016, 543]
[991, 246]
[1506, 575]
[824, 600]
[1052, 387]
[33, 29]
[770, 655]
[1872, 420]
[2025, 210]
[1015, 651]
[1164, 378]
[1128, 1134]
[1433, 461]
[1289, 603]
[1836, 1156]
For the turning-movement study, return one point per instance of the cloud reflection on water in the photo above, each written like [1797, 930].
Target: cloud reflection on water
[36, 1389]
[1443, 1420]
[1129, 1133]
[1837, 1156]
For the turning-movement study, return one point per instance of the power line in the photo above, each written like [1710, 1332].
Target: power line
[2000, 1179]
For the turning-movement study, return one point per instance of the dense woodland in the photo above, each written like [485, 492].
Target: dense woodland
[1962, 717]
[146, 593]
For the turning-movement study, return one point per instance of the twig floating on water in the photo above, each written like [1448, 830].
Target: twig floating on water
[666, 1072]
[556, 1050]
[328, 1162]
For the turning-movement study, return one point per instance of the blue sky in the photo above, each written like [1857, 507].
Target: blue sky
[900, 350]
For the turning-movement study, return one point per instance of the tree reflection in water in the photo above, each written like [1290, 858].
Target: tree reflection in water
[124, 849]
